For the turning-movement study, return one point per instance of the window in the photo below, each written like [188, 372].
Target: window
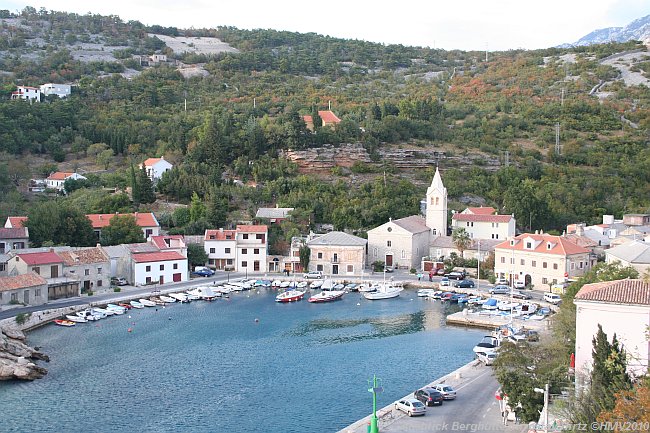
[544, 265]
[573, 266]
[534, 263]
[148, 280]
[512, 260]
[319, 268]
[320, 255]
[229, 262]
[14, 297]
[245, 236]
[388, 243]
[522, 262]
[162, 267]
[244, 264]
[256, 251]
[350, 269]
[555, 266]
[529, 245]
[3, 267]
[503, 259]
[148, 269]
[259, 237]
[580, 265]
[86, 272]
[227, 250]
[544, 280]
[100, 283]
[244, 251]
[403, 254]
[37, 270]
[374, 252]
[38, 292]
[99, 271]
[175, 266]
[212, 250]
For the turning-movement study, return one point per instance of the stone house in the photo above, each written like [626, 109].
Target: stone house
[119, 261]
[635, 254]
[274, 215]
[90, 265]
[621, 307]
[399, 243]
[13, 239]
[337, 253]
[541, 259]
[49, 265]
[28, 288]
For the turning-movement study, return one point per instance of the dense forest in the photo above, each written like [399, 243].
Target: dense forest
[237, 120]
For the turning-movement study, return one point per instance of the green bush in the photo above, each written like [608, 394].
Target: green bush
[89, 292]
[117, 289]
[22, 318]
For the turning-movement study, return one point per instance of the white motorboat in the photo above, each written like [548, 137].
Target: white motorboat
[223, 290]
[88, 315]
[327, 296]
[490, 304]
[302, 284]
[167, 299]
[206, 293]
[76, 318]
[156, 300]
[136, 304]
[285, 284]
[365, 288]
[191, 296]
[328, 284]
[507, 306]
[527, 308]
[276, 283]
[290, 296]
[103, 311]
[147, 302]
[180, 297]
[488, 343]
[422, 293]
[384, 291]
[316, 284]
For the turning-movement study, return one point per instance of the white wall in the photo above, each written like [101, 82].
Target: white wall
[141, 273]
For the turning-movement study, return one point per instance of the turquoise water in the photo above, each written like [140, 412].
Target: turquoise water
[212, 367]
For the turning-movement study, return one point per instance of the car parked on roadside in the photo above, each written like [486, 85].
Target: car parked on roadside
[464, 284]
[203, 272]
[119, 281]
[501, 282]
[499, 290]
[411, 406]
[520, 295]
[552, 298]
[486, 358]
[444, 281]
[440, 271]
[448, 393]
[519, 284]
[456, 275]
[429, 396]
[313, 275]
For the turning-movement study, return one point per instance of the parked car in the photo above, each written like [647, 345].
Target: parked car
[519, 284]
[429, 396]
[501, 282]
[456, 275]
[499, 290]
[203, 272]
[552, 298]
[486, 358]
[440, 271]
[520, 295]
[411, 407]
[464, 284]
[448, 393]
[313, 274]
[119, 281]
[388, 269]
[444, 281]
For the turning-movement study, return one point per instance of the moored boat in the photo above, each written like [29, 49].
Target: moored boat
[136, 304]
[116, 308]
[384, 291]
[63, 322]
[426, 292]
[147, 302]
[327, 296]
[75, 318]
[103, 311]
[290, 296]
[180, 297]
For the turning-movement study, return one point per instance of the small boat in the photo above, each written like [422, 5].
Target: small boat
[302, 284]
[118, 309]
[426, 293]
[507, 306]
[364, 288]
[276, 283]
[490, 304]
[75, 318]
[125, 305]
[88, 315]
[327, 296]
[103, 311]
[206, 293]
[437, 294]
[385, 291]
[290, 296]
[527, 308]
[156, 300]
[285, 284]
[180, 297]
[136, 304]
[352, 287]
[488, 343]
[191, 296]
[339, 286]
[63, 322]
[316, 284]
[147, 302]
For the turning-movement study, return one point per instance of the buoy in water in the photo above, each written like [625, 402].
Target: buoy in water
[358, 303]
[257, 320]
[130, 330]
[129, 317]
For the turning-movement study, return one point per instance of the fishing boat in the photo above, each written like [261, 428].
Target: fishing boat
[63, 322]
[125, 305]
[75, 318]
[136, 304]
[384, 291]
[290, 296]
[327, 296]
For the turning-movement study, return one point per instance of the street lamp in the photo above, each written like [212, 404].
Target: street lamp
[545, 392]
[374, 390]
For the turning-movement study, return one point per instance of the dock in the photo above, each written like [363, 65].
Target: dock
[477, 320]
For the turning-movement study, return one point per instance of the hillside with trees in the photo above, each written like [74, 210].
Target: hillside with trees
[491, 125]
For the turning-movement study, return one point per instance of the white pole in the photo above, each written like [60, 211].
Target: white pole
[546, 408]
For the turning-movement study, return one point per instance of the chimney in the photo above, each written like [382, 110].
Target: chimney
[580, 229]
[99, 245]
[51, 250]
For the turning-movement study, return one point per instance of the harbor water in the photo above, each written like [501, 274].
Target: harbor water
[243, 364]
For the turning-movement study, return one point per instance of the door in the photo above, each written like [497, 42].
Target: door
[176, 277]
[389, 260]
[54, 271]
[161, 280]
[86, 286]
[335, 269]
[26, 296]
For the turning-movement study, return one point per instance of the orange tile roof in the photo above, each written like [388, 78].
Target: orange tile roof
[151, 161]
[252, 229]
[328, 117]
[59, 175]
[84, 256]
[483, 218]
[146, 219]
[17, 221]
[159, 241]
[563, 246]
[481, 210]
[220, 235]
[308, 119]
[40, 258]
[157, 257]
[618, 292]
[21, 281]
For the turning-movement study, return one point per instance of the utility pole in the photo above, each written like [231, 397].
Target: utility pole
[506, 158]
[562, 97]
[558, 148]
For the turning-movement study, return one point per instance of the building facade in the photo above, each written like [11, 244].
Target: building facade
[145, 220]
[60, 90]
[337, 253]
[27, 288]
[251, 248]
[57, 179]
[27, 93]
[159, 268]
[91, 266]
[635, 254]
[221, 248]
[399, 243]
[155, 167]
[482, 226]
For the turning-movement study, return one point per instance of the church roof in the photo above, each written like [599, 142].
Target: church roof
[413, 224]
[437, 181]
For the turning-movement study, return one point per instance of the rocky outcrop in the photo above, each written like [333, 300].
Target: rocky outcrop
[16, 357]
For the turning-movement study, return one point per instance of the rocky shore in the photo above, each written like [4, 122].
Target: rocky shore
[16, 358]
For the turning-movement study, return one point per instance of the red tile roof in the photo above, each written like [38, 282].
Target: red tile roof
[13, 233]
[16, 221]
[21, 281]
[636, 292]
[328, 117]
[481, 210]
[40, 258]
[157, 257]
[59, 175]
[561, 245]
[84, 256]
[483, 218]
[142, 219]
[159, 241]
[151, 161]
[219, 235]
[308, 119]
[252, 229]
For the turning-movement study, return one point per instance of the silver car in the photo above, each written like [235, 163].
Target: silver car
[447, 391]
[411, 407]
[500, 290]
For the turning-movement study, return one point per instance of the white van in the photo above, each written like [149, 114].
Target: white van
[552, 298]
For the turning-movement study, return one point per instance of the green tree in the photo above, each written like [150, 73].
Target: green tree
[305, 254]
[136, 192]
[104, 158]
[122, 229]
[57, 223]
[147, 194]
[196, 255]
[197, 208]
[609, 374]
[461, 240]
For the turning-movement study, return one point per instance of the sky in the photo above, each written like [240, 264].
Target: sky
[464, 25]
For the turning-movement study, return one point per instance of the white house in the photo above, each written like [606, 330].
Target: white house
[483, 223]
[252, 241]
[155, 167]
[621, 307]
[221, 248]
[57, 179]
[159, 268]
[27, 93]
[60, 90]
[635, 254]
